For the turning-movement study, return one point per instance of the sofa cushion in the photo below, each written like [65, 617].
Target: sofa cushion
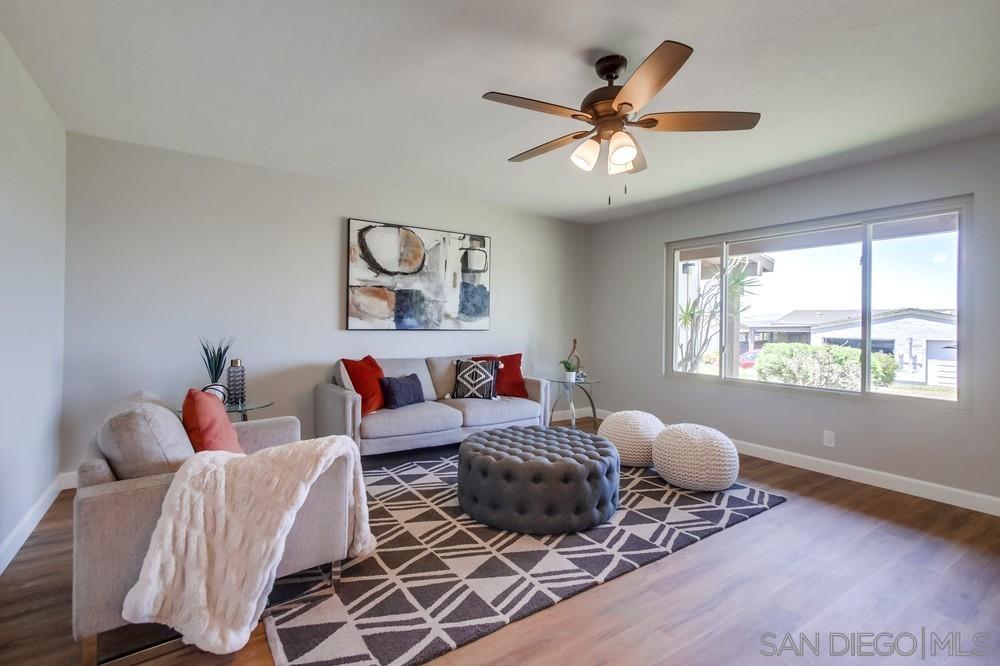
[410, 420]
[442, 371]
[400, 367]
[340, 376]
[393, 367]
[94, 468]
[476, 412]
[141, 436]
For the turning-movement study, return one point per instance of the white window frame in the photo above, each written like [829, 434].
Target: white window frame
[962, 205]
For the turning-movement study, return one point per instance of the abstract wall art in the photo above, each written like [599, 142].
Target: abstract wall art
[410, 278]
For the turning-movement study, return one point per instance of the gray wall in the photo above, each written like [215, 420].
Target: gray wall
[32, 254]
[924, 440]
[163, 247]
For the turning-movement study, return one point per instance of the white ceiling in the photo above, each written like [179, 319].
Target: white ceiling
[389, 91]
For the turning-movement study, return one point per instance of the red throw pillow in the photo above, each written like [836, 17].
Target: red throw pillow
[207, 423]
[510, 381]
[364, 375]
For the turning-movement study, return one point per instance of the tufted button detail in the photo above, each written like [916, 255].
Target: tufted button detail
[538, 480]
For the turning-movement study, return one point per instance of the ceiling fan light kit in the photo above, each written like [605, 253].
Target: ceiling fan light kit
[621, 148]
[615, 169]
[586, 154]
[612, 108]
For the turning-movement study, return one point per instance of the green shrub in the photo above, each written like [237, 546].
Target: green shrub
[883, 369]
[823, 366]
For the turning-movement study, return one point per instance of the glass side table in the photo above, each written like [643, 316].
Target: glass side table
[244, 407]
[584, 385]
[241, 409]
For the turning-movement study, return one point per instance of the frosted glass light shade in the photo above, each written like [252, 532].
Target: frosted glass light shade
[622, 148]
[615, 169]
[585, 155]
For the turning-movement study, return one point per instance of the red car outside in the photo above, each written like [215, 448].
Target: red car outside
[749, 359]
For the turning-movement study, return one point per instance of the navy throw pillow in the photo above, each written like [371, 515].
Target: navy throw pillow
[401, 391]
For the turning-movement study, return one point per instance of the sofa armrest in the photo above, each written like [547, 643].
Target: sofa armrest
[112, 526]
[337, 411]
[324, 526]
[538, 390]
[265, 433]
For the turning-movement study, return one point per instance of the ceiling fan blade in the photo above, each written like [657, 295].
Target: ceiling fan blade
[551, 145]
[698, 121]
[535, 105]
[654, 73]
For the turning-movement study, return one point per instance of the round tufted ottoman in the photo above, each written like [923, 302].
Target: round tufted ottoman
[538, 480]
[695, 457]
[632, 432]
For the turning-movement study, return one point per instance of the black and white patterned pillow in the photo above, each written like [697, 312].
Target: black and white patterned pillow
[476, 379]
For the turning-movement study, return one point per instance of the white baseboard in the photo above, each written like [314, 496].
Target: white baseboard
[15, 539]
[933, 491]
[67, 480]
[581, 413]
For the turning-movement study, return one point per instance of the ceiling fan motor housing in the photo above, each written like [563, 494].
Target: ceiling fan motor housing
[610, 67]
[598, 103]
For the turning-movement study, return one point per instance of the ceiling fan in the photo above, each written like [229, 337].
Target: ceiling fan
[613, 108]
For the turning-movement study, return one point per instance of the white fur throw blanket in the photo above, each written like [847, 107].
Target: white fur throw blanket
[216, 547]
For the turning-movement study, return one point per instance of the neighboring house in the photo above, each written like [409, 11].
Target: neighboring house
[923, 342]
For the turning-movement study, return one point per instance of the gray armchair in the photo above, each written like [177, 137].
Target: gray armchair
[113, 521]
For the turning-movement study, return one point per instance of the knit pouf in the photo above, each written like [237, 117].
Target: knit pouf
[632, 432]
[695, 457]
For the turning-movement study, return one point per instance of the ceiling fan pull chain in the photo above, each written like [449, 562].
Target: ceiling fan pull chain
[626, 189]
[609, 199]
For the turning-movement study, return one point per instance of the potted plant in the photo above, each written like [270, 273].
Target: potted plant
[571, 364]
[570, 369]
[214, 356]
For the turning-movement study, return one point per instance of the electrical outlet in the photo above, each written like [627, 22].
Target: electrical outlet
[828, 439]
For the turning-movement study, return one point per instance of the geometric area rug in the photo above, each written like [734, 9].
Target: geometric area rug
[438, 579]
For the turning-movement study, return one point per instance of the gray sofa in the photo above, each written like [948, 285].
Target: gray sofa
[122, 481]
[440, 419]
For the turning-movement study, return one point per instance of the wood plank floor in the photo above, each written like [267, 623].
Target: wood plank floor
[838, 556]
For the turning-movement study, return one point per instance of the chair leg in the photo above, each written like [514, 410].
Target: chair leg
[88, 656]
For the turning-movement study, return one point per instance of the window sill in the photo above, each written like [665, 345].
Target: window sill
[961, 405]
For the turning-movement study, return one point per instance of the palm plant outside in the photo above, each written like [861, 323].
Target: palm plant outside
[698, 317]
